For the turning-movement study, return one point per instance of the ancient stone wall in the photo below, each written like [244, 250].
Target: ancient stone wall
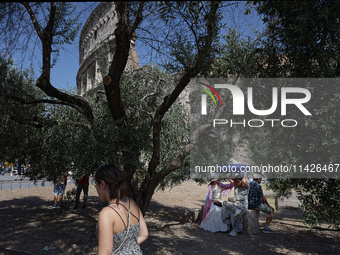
[97, 46]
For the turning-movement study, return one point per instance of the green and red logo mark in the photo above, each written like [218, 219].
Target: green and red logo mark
[204, 97]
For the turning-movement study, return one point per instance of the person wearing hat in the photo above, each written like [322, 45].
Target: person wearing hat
[257, 201]
[234, 210]
[212, 210]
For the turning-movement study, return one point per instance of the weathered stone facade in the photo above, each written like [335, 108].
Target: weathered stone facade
[97, 46]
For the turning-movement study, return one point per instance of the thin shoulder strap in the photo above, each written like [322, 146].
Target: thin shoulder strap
[118, 214]
[129, 212]
[137, 218]
[127, 232]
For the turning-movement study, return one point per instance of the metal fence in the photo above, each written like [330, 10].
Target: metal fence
[23, 184]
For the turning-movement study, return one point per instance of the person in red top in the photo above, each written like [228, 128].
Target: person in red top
[82, 185]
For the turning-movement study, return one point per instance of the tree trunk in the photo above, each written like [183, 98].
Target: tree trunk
[146, 195]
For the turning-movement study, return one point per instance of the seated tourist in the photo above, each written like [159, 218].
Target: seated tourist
[233, 211]
[212, 217]
[257, 201]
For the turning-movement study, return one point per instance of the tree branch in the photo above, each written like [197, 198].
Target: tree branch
[139, 17]
[123, 33]
[183, 82]
[42, 101]
[77, 102]
[33, 18]
[43, 82]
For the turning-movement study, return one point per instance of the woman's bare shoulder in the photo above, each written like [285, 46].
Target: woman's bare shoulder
[132, 202]
[133, 206]
[106, 211]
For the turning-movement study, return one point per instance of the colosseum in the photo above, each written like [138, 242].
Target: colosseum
[97, 46]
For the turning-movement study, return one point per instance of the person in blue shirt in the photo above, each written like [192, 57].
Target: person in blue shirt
[257, 201]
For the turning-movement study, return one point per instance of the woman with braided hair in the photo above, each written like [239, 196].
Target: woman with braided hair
[121, 226]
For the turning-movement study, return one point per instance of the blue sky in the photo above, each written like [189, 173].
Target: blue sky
[63, 74]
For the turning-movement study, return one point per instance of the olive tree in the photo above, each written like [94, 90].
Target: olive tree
[301, 40]
[189, 42]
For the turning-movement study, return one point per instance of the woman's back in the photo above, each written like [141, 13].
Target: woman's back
[130, 245]
[126, 227]
[121, 225]
[120, 214]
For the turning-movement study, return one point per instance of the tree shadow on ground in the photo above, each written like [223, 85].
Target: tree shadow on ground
[168, 236]
[31, 225]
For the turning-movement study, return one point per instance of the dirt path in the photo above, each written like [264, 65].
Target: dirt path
[28, 224]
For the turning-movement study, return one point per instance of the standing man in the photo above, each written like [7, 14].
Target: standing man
[82, 185]
[257, 201]
[59, 189]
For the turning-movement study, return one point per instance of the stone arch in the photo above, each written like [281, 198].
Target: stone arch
[97, 37]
